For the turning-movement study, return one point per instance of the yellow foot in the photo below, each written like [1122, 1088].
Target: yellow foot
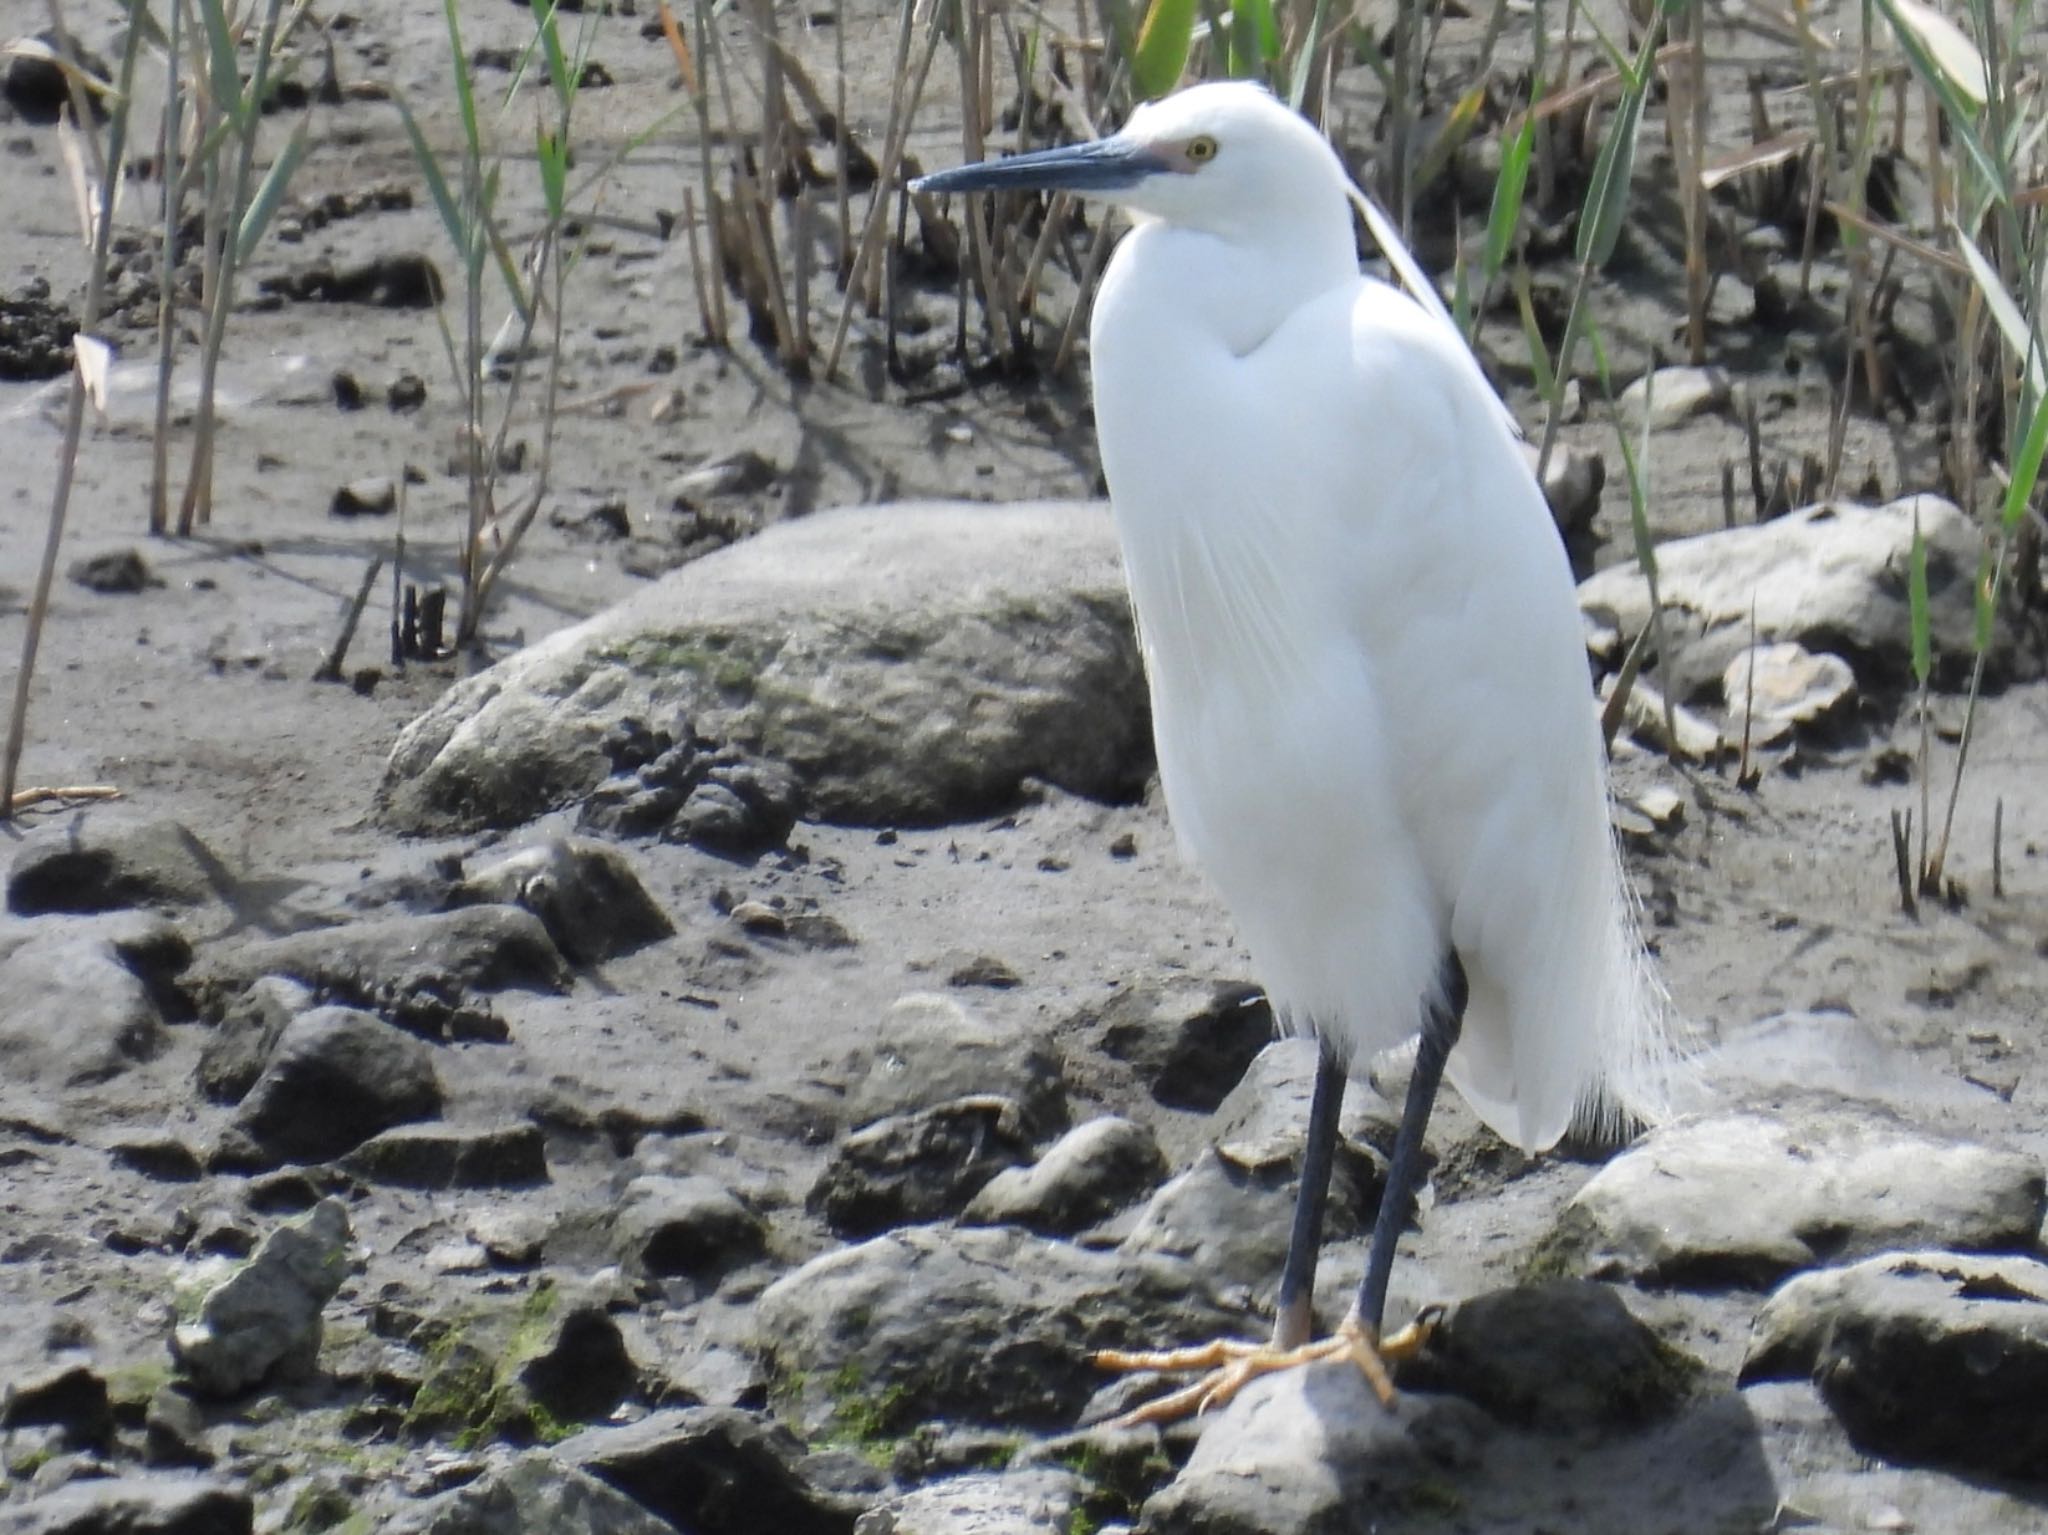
[1232, 1364]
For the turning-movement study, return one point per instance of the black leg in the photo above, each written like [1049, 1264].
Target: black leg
[1296, 1320]
[1397, 1202]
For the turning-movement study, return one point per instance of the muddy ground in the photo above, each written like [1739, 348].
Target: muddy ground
[195, 696]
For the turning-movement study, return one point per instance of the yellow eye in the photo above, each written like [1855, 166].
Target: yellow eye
[1200, 149]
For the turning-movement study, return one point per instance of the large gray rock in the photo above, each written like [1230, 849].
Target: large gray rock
[134, 1505]
[1926, 1357]
[984, 1324]
[92, 865]
[1312, 1452]
[1833, 577]
[909, 663]
[337, 1077]
[1563, 1355]
[1746, 1197]
[1040, 1501]
[266, 1315]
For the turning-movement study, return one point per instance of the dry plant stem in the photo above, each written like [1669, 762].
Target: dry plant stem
[997, 309]
[903, 106]
[26, 799]
[714, 319]
[1902, 859]
[330, 669]
[74, 409]
[1694, 133]
[707, 323]
[1098, 257]
[167, 279]
[197, 503]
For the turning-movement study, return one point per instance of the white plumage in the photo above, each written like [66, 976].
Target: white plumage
[1368, 674]
[1369, 686]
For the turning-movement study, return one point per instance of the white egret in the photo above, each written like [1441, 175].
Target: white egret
[1368, 676]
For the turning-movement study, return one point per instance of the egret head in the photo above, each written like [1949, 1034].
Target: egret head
[1226, 159]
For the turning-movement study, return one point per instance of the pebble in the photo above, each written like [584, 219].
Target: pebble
[373, 497]
[929, 1050]
[1089, 1173]
[921, 1166]
[587, 894]
[1190, 1042]
[690, 1226]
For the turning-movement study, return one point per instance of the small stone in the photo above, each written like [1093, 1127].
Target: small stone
[348, 390]
[266, 1316]
[920, 1166]
[71, 1396]
[1039, 1501]
[984, 970]
[1664, 806]
[736, 474]
[539, 1494]
[583, 1370]
[510, 1238]
[930, 1050]
[373, 497]
[1571, 484]
[337, 1077]
[1645, 717]
[759, 917]
[249, 1029]
[73, 1010]
[1190, 1042]
[174, 1430]
[1089, 1173]
[439, 1157]
[408, 392]
[586, 893]
[160, 1156]
[690, 1226]
[1776, 689]
[32, 81]
[1673, 396]
[714, 1471]
[121, 571]
[1928, 1358]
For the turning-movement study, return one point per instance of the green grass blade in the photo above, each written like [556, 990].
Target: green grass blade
[465, 91]
[1161, 56]
[1614, 169]
[551, 150]
[1254, 38]
[1916, 601]
[1532, 333]
[224, 72]
[256, 218]
[551, 47]
[1305, 57]
[452, 218]
[2026, 470]
[2005, 313]
[1506, 213]
[1961, 115]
